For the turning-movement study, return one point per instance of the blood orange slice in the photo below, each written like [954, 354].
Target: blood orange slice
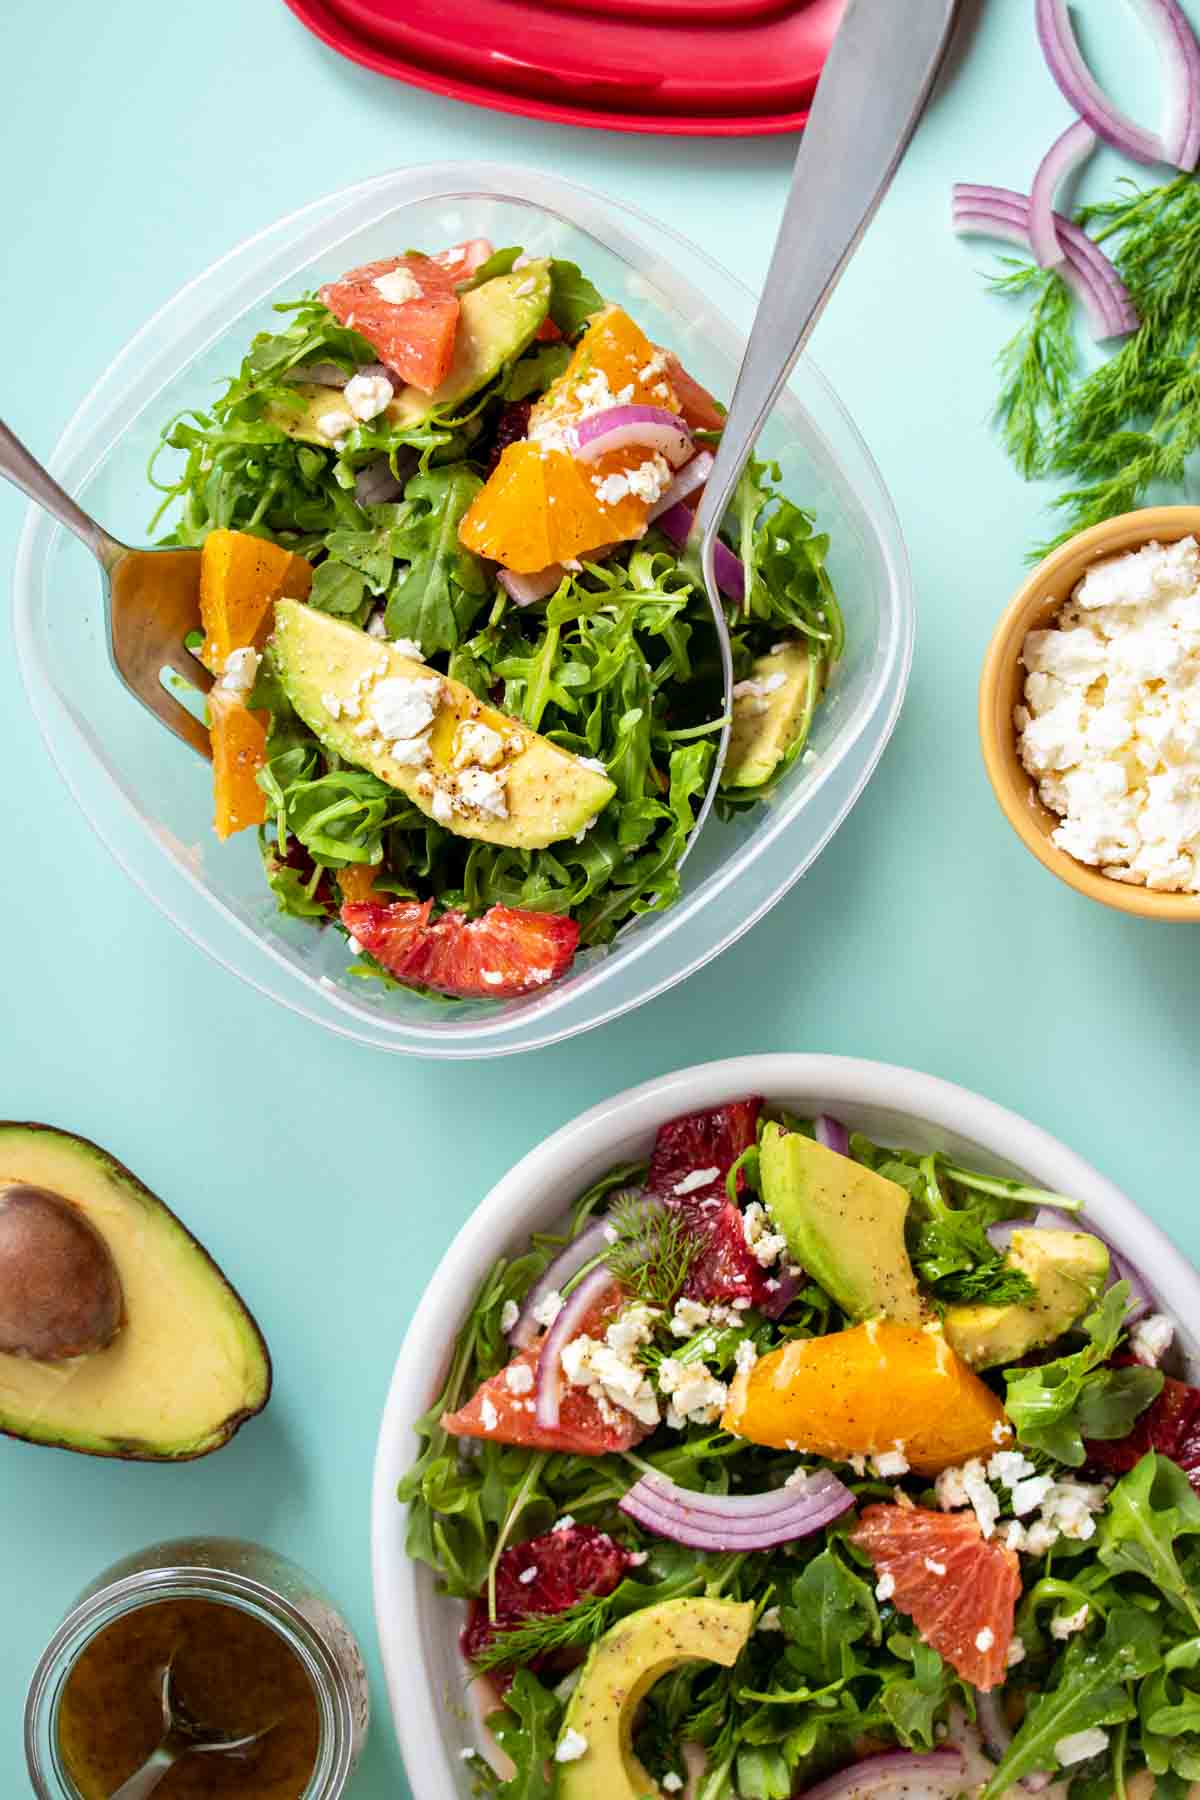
[959, 1588]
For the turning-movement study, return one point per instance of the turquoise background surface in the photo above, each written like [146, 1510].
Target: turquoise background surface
[137, 145]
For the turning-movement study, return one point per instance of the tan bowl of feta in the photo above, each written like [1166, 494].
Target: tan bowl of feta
[1090, 726]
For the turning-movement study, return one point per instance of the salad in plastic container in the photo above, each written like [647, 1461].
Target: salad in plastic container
[797, 1465]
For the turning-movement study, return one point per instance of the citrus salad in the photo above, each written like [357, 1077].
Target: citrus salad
[466, 683]
[797, 1465]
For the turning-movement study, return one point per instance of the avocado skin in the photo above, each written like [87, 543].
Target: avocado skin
[843, 1223]
[1067, 1268]
[621, 1669]
[497, 323]
[759, 741]
[121, 1179]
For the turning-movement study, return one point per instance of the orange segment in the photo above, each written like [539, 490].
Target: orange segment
[540, 506]
[357, 881]
[875, 1388]
[239, 745]
[241, 577]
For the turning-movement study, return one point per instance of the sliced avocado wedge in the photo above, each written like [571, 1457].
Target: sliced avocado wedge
[497, 323]
[332, 673]
[1068, 1270]
[843, 1223]
[620, 1671]
[187, 1364]
[767, 725]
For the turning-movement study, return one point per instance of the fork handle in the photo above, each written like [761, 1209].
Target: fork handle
[876, 80]
[153, 1771]
[25, 472]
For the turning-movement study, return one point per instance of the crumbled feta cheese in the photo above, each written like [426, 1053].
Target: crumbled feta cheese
[891, 1463]
[528, 1575]
[240, 670]
[1028, 1494]
[518, 1378]
[441, 805]
[1065, 1625]
[696, 1396]
[1016, 1652]
[376, 627]
[493, 977]
[985, 1504]
[1009, 1467]
[671, 1782]
[935, 1568]
[770, 1621]
[1151, 1338]
[1039, 1537]
[368, 395]
[698, 1178]
[631, 1329]
[489, 1417]
[403, 707]
[484, 791]
[563, 1524]
[1069, 1507]
[657, 365]
[765, 1246]
[548, 1308]
[571, 1746]
[510, 1312]
[411, 753]
[745, 1357]
[985, 1639]
[468, 1753]
[397, 286]
[858, 1464]
[353, 945]
[610, 1376]
[1077, 1746]
[885, 1587]
[477, 743]
[593, 762]
[407, 647]
[1110, 720]
[689, 1316]
[334, 425]
[950, 1489]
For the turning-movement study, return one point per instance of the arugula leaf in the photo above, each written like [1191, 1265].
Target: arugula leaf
[500, 262]
[1093, 1687]
[533, 372]
[436, 600]
[831, 1609]
[337, 588]
[526, 1728]
[1051, 1406]
[1149, 1511]
[573, 298]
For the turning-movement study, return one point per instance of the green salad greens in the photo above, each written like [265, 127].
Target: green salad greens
[1103, 1676]
[618, 665]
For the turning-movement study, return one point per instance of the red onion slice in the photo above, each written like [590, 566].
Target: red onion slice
[591, 1242]
[1000, 213]
[935, 1775]
[832, 1133]
[692, 475]
[997, 1736]
[777, 1300]
[328, 374]
[375, 485]
[1065, 61]
[676, 523]
[526, 589]
[644, 427]
[1061, 160]
[1049, 1218]
[548, 1392]
[1181, 63]
[719, 1522]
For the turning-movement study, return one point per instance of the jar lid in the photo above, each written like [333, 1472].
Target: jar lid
[715, 68]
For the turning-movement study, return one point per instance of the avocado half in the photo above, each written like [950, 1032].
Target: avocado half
[187, 1366]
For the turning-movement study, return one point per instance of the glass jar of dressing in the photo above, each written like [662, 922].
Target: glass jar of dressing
[253, 1644]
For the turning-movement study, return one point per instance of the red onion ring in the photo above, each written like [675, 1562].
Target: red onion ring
[548, 1392]
[692, 475]
[719, 1522]
[1141, 1294]
[1065, 61]
[1181, 62]
[676, 523]
[998, 212]
[935, 1775]
[832, 1133]
[1061, 160]
[622, 427]
[526, 589]
[1079, 246]
[375, 485]
[590, 1243]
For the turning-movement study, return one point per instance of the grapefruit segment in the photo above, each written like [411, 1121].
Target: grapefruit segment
[505, 953]
[407, 309]
[959, 1589]
[875, 1389]
[568, 1565]
[503, 1407]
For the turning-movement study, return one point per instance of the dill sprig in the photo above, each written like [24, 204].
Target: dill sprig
[538, 1635]
[1131, 424]
[654, 1249]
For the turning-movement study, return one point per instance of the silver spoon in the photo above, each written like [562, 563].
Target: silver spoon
[181, 1737]
[877, 77]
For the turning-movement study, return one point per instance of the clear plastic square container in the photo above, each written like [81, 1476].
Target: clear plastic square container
[150, 797]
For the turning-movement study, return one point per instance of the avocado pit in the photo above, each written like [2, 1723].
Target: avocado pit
[60, 1293]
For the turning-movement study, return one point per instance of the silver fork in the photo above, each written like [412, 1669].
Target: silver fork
[181, 1737]
[877, 78]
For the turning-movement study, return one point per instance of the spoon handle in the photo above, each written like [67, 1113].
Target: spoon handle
[24, 471]
[144, 1780]
[876, 80]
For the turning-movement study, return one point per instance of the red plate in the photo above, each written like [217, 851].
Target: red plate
[705, 68]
